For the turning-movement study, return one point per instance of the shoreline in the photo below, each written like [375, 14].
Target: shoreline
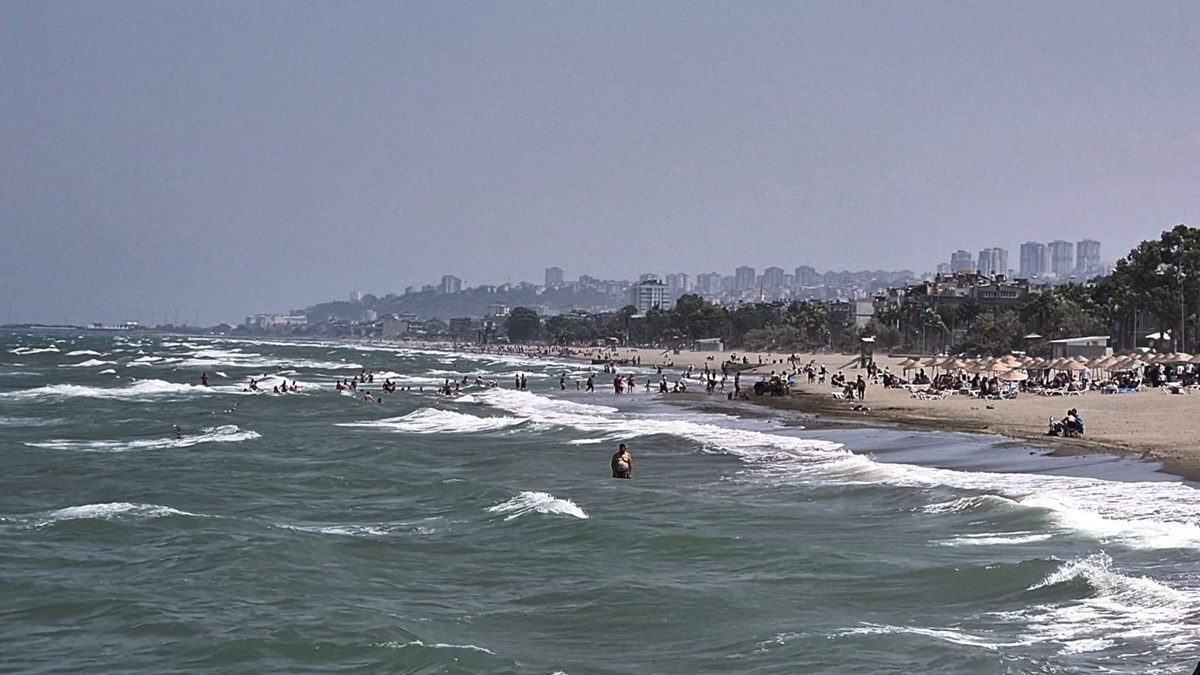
[1148, 426]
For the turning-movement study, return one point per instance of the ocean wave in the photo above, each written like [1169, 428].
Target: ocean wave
[34, 350]
[341, 530]
[753, 446]
[85, 364]
[977, 503]
[996, 539]
[1103, 605]
[139, 389]
[435, 645]
[1138, 515]
[537, 502]
[435, 421]
[1135, 532]
[951, 635]
[229, 433]
[84, 352]
[110, 511]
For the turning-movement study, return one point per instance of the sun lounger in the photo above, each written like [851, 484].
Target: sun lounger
[929, 395]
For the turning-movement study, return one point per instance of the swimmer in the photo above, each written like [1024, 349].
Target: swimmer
[622, 463]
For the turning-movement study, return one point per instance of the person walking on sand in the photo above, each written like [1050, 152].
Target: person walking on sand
[861, 387]
[622, 463]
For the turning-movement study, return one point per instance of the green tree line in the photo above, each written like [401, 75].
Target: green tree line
[1155, 287]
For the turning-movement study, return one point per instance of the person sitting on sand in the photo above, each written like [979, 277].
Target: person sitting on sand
[1073, 423]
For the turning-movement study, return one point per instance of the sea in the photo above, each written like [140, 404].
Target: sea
[149, 524]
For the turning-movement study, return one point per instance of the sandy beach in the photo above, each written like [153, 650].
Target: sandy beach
[1149, 424]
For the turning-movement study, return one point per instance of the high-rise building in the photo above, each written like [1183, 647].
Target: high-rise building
[744, 278]
[1087, 257]
[961, 261]
[1062, 258]
[993, 261]
[708, 283]
[647, 276]
[806, 276]
[677, 284]
[648, 294]
[1035, 260]
[450, 284]
[773, 277]
[554, 276]
[943, 269]
[356, 297]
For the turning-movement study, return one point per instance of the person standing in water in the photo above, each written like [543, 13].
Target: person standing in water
[622, 463]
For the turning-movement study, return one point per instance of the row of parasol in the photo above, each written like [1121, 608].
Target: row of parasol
[1014, 368]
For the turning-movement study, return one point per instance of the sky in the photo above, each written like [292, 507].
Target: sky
[201, 161]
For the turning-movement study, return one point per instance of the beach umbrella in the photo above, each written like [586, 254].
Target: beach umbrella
[1179, 357]
[955, 364]
[1009, 361]
[1196, 359]
[1013, 376]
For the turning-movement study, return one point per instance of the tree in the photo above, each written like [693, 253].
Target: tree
[1158, 276]
[993, 333]
[523, 325]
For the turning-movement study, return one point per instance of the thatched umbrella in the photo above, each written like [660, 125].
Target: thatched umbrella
[1013, 376]
[1178, 357]
[1009, 362]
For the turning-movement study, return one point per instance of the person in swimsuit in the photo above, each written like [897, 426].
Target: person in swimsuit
[622, 463]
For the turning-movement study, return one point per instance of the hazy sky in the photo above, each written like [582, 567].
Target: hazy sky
[218, 159]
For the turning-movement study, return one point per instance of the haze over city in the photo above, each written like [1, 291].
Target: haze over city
[202, 162]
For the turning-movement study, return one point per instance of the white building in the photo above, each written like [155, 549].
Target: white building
[646, 295]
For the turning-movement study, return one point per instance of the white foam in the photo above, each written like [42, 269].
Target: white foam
[85, 364]
[997, 539]
[972, 504]
[34, 350]
[84, 352]
[139, 389]
[434, 421]
[1139, 515]
[954, 636]
[110, 511]
[1115, 607]
[342, 530]
[537, 502]
[229, 433]
[436, 645]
